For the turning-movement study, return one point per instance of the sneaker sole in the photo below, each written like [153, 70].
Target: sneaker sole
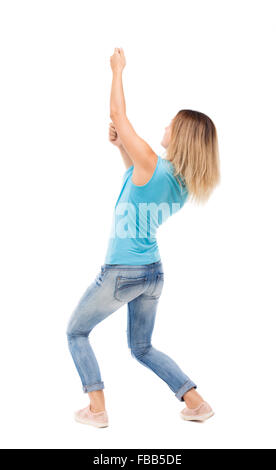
[197, 418]
[97, 425]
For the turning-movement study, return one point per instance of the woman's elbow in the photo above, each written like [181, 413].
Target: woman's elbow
[115, 114]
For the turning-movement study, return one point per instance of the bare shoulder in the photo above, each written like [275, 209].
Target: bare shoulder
[143, 173]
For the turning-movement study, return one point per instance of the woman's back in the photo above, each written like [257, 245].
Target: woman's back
[139, 211]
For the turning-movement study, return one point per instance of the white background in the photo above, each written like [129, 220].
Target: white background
[60, 178]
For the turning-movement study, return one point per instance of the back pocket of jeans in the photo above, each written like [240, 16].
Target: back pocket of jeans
[128, 288]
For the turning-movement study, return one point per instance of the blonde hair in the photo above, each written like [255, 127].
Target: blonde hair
[193, 151]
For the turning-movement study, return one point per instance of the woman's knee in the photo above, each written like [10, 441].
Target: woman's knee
[69, 330]
[138, 351]
[72, 327]
[77, 327]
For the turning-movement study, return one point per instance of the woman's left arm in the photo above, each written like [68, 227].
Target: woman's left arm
[140, 152]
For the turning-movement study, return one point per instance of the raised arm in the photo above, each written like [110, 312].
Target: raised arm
[139, 151]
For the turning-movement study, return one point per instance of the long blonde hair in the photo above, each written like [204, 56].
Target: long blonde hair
[193, 151]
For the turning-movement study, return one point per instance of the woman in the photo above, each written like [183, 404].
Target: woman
[133, 273]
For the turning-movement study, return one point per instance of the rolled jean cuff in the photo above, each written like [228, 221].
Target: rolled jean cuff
[91, 388]
[187, 386]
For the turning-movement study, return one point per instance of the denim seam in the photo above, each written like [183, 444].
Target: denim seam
[129, 266]
[85, 387]
[91, 385]
[142, 266]
[126, 278]
[129, 325]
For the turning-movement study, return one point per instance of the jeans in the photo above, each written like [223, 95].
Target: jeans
[140, 287]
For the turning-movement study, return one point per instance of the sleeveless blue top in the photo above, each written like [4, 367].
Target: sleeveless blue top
[138, 213]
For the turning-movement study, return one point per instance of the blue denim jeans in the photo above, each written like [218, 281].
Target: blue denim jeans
[139, 287]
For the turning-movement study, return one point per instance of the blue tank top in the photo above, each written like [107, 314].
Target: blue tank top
[138, 213]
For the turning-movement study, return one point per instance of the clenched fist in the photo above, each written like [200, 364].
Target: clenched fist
[118, 60]
[114, 136]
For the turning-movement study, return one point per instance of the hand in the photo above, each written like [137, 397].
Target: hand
[114, 136]
[117, 60]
